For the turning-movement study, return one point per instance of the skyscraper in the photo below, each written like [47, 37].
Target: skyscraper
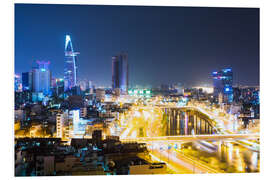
[70, 68]
[60, 87]
[17, 82]
[27, 80]
[120, 72]
[222, 81]
[42, 78]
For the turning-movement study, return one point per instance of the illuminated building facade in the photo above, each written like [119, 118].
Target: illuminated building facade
[222, 81]
[59, 125]
[60, 87]
[22, 97]
[91, 87]
[42, 78]
[83, 112]
[27, 80]
[70, 68]
[83, 85]
[63, 126]
[17, 82]
[77, 125]
[120, 72]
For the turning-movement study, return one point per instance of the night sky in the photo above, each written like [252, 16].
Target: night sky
[164, 44]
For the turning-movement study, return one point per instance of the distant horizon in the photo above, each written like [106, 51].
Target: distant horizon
[152, 86]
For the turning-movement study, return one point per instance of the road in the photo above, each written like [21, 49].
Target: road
[149, 117]
[194, 137]
[177, 161]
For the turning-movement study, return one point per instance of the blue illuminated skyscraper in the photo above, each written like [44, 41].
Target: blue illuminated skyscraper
[27, 80]
[60, 86]
[222, 81]
[42, 78]
[120, 72]
[70, 68]
[17, 82]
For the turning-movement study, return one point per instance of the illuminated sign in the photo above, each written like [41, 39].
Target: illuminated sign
[139, 92]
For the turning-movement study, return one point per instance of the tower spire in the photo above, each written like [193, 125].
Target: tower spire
[70, 70]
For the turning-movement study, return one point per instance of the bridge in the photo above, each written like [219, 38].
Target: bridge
[174, 121]
[205, 129]
[190, 119]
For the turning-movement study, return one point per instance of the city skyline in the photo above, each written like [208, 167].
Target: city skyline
[124, 90]
[231, 34]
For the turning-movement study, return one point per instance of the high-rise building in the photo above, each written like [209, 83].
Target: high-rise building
[60, 87]
[91, 87]
[22, 97]
[120, 72]
[62, 125]
[59, 125]
[42, 78]
[83, 112]
[70, 69]
[53, 82]
[75, 116]
[17, 82]
[222, 81]
[90, 84]
[27, 80]
[84, 85]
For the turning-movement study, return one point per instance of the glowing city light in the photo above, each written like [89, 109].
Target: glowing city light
[75, 117]
[227, 70]
[142, 119]
[137, 114]
[67, 40]
[146, 114]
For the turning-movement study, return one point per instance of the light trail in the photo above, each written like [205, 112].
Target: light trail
[195, 137]
[149, 117]
[125, 133]
[176, 170]
[179, 161]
